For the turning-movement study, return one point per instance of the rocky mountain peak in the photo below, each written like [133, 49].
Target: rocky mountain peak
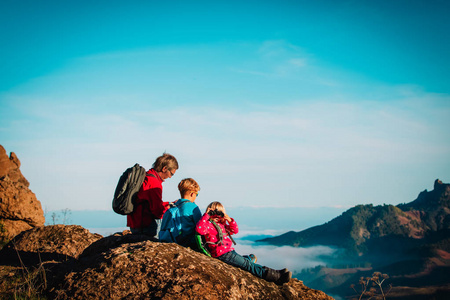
[437, 199]
[19, 208]
[442, 188]
[437, 184]
[10, 167]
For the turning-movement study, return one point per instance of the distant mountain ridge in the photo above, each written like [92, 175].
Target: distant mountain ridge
[410, 242]
[361, 225]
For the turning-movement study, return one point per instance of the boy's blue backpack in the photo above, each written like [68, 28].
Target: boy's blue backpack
[171, 223]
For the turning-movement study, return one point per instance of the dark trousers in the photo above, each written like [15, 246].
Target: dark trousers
[152, 230]
[244, 263]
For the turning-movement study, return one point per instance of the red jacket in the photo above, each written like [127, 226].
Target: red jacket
[149, 204]
[206, 228]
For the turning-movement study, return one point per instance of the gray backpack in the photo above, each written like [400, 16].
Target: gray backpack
[127, 188]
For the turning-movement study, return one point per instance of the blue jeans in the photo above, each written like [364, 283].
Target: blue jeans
[152, 230]
[244, 263]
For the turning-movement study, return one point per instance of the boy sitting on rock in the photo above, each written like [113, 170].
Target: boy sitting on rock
[187, 216]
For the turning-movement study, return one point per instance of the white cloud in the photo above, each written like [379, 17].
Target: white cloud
[298, 62]
[295, 259]
[324, 152]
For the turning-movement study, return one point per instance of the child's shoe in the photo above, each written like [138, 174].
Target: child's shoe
[253, 258]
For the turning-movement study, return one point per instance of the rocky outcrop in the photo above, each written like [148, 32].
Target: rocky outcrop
[438, 198]
[47, 243]
[10, 166]
[19, 208]
[121, 267]
[126, 266]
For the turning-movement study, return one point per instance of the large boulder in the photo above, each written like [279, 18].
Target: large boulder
[19, 208]
[47, 243]
[119, 267]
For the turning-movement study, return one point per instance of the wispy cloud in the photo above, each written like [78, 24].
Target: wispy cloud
[275, 58]
[298, 62]
[306, 144]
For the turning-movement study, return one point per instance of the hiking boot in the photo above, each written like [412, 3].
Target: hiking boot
[271, 275]
[285, 277]
[278, 276]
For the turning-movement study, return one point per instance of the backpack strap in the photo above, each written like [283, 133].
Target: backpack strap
[219, 231]
[231, 238]
[181, 203]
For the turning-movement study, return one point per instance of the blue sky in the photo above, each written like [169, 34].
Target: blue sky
[264, 103]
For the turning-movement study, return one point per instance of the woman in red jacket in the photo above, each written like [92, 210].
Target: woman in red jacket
[150, 208]
[217, 227]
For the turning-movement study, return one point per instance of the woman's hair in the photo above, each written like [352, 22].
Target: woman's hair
[165, 160]
[186, 185]
[216, 205]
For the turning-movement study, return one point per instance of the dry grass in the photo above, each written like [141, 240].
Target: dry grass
[22, 282]
[372, 287]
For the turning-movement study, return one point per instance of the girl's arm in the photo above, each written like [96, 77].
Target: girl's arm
[231, 226]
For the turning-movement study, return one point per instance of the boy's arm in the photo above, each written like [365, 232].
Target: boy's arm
[196, 214]
[203, 224]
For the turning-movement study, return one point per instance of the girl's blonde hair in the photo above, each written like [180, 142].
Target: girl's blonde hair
[186, 185]
[216, 205]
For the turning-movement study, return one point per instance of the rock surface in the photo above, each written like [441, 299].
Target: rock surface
[120, 267]
[82, 265]
[54, 242]
[19, 208]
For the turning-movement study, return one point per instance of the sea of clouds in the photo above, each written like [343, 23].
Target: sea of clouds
[293, 258]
